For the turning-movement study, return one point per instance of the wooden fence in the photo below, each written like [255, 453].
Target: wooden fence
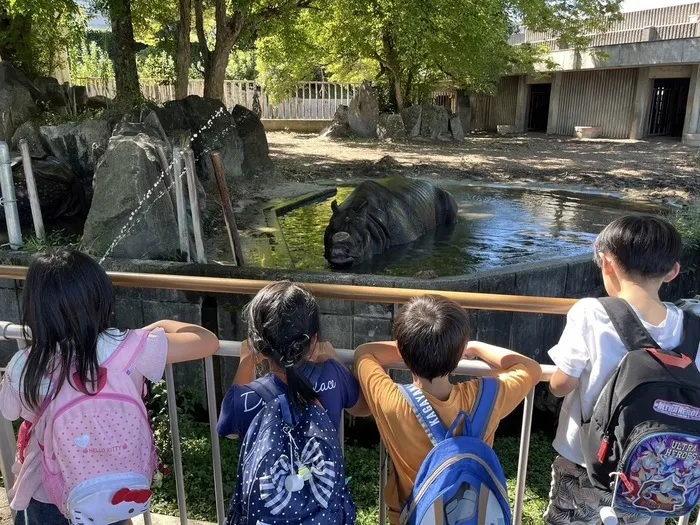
[310, 101]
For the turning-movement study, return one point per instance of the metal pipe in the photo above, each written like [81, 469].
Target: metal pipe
[477, 301]
[383, 476]
[180, 203]
[177, 452]
[167, 177]
[528, 409]
[194, 205]
[9, 200]
[147, 518]
[212, 409]
[37, 218]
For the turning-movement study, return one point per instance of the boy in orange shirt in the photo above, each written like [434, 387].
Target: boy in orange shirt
[432, 336]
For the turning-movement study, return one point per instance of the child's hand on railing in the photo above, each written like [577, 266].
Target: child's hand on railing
[470, 350]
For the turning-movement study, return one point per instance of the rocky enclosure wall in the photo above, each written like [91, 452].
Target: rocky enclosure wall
[346, 323]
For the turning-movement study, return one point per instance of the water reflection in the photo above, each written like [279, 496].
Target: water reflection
[496, 227]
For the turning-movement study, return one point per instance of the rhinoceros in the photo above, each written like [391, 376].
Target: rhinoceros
[380, 214]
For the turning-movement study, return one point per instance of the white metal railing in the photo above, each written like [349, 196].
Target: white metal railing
[9, 331]
[308, 101]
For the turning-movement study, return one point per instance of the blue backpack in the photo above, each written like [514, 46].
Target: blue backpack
[460, 481]
[291, 468]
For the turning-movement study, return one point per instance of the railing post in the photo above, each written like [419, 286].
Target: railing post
[9, 200]
[528, 408]
[383, 476]
[177, 452]
[215, 448]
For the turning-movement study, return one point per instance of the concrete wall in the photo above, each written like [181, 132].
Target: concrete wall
[488, 112]
[345, 323]
[298, 126]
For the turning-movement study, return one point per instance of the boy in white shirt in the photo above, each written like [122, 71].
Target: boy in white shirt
[636, 254]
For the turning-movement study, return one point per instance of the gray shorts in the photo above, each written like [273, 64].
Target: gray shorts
[573, 500]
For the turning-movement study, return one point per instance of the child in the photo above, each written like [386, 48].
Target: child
[636, 254]
[67, 305]
[283, 325]
[431, 335]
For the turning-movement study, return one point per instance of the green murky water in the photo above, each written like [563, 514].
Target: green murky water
[496, 227]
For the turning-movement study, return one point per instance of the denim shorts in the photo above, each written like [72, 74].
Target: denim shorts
[38, 513]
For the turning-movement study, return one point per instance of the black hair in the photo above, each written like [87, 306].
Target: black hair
[67, 303]
[283, 320]
[431, 332]
[643, 245]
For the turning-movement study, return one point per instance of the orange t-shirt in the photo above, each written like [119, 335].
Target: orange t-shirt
[405, 440]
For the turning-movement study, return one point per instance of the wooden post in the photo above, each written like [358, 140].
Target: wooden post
[183, 233]
[194, 205]
[233, 237]
[167, 178]
[31, 190]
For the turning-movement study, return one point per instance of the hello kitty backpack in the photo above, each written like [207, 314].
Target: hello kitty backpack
[99, 452]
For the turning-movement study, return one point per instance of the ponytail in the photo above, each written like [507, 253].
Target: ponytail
[283, 320]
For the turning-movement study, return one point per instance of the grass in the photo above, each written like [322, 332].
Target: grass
[54, 240]
[687, 221]
[362, 464]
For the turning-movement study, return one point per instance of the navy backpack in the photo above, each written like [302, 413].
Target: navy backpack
[291, 468]
[460, 481]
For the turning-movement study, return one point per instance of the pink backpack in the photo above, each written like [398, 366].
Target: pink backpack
[99, 452]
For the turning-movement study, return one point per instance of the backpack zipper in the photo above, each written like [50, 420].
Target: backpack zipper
[115, 397]
[449, 463]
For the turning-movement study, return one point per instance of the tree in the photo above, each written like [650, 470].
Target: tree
[183, 56]
[418, 44]
[35, 33]
[125, 73]
[235, 20]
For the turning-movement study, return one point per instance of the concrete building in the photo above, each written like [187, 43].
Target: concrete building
[640, 79]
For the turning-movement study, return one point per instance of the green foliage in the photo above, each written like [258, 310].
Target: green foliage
[155, 64]
[54, 240]
[34, 33]
[415, 45]
[241, 65]
[89, 60]
[687, 221]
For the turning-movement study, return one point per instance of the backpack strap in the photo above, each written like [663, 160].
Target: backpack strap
[128, 350]
[425, 413]
[627, 324]
[483, 406]
[315, 375]
[691, 335]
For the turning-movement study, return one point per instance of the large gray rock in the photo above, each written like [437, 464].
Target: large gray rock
[363, 111]
[17, 100]
[211, 128]
[98, 102]
[80, 145]
[78, 94]
[391, 126]
[53, 95]
[256, 152]
[411, 119]
[456, 127]
[340, 126]
[30, 132]
[434, 122]
[60, 192]
[128, 218]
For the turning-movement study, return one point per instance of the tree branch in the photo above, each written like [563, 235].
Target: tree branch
[201, 35]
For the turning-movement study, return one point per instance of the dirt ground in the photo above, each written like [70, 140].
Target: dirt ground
[660, 170]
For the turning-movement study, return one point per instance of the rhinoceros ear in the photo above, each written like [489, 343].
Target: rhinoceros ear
[334, 206]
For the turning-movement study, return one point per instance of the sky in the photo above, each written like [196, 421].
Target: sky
[637, 5]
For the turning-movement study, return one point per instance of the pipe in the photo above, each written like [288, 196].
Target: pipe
[180, 206]
[194, 205]
[31, 190]
[9, 200]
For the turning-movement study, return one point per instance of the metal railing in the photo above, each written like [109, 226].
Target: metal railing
[11, 331]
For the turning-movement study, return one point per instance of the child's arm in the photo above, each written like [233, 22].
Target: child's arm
[186, 342]
[502, 358]
[245, 373]
[386, 352]
[561, 383]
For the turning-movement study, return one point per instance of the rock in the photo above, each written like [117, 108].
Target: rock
[98, 102]
[256, 152]
[80, 96]
[426, 274]
[391, 127]
[80, 145]
[17, 100]
[211, 127]
[363, 111]
[60, 192]
[505, 129]
[388, 162]
[412, 119]
[456, 127]
[434, 121]
[127, 218]
[30, 132]
[53, 95]
[340, 126]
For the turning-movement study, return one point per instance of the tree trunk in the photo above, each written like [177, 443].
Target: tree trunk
[398, 92]
[215, 73]
[183, 58]
[125, 72]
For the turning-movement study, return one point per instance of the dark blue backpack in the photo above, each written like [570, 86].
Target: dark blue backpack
[460, 481]
[291, 468]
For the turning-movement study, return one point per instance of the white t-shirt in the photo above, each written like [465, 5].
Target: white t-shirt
[590, 350]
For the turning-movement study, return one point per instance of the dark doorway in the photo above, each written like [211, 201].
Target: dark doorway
[668, 102]
[539, 107]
